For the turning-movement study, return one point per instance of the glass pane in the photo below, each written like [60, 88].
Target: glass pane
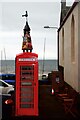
[27, 105]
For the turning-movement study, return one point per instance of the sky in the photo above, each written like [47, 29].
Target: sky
[40, 13]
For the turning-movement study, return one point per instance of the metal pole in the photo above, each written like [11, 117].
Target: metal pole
[54, 27]
[5, 59]
[44, 56]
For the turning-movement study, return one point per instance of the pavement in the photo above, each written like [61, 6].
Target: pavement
[49, 107]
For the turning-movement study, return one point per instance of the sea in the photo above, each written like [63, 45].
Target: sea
[8, 66]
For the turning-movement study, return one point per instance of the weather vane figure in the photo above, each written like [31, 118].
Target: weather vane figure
[27, 43]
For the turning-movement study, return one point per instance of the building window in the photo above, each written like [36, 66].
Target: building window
[63, 44]
[72, 39]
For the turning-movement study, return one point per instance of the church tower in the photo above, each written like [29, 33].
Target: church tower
[64, 10]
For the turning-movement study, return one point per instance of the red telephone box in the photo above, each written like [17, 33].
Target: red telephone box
[26, 84]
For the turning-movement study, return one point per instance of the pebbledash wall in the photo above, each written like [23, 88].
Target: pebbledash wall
[69, 46]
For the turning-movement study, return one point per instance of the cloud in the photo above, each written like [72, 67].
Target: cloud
[40, 14]
[30, 1]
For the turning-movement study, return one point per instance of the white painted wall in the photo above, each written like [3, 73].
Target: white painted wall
[71, 69]
[79, 47]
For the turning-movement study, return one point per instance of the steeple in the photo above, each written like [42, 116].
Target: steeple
[26, 28]
[27, 43]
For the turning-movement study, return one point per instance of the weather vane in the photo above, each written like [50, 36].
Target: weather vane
[26, 15]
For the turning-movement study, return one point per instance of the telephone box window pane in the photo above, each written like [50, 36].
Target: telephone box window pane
[25, 89]
[27, 105]
[27, 95]
[26, 83]
[30, 77]
[26, 100]
[27, 72]
[27, 67]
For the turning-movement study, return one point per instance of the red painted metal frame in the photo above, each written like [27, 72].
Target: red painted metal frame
[26, 59]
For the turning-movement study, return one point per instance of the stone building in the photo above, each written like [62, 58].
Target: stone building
[69, 46]
[64, 10]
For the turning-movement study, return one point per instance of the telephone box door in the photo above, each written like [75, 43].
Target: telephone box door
[27, 86]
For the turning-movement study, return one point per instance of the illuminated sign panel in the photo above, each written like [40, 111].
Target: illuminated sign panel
[27, 59]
